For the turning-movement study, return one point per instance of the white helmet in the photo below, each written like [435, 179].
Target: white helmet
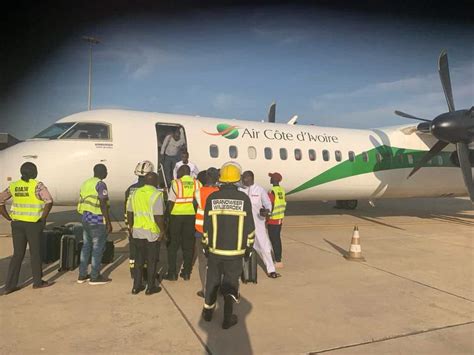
[144, 167]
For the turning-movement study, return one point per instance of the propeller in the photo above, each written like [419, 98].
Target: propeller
[272, 112]
[455, 127]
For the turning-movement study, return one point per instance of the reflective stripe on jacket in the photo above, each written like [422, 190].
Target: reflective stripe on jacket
[201, 197]
[89, 197]
[279, 206]
[26, 206]
[143, 199]
[184, 188]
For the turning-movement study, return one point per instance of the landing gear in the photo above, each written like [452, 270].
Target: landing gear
[346, 204]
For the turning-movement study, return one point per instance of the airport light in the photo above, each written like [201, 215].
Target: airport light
[91, 41]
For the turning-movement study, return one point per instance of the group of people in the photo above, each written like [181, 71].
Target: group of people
[216, 216]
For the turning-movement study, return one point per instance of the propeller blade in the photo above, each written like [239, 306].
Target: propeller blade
[438, 147]
[406, 115]
[465, 164]
[443, 70]
[271, 113]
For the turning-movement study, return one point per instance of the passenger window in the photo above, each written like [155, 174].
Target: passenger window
[268, 153]
[213, 151]
[365, 157]
[88, 131]
[312, 154]
[283, 154]
[298, 154]
[233, 151]
[400, 158]
[338, 155]
[351, 156]
[252, 153]
[410, 158]
[378, 156]
[326, 155]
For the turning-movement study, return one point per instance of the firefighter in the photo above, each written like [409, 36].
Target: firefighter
[210, 186]
[144, 167]
[182, 219]
[228, 237]
[145, 214]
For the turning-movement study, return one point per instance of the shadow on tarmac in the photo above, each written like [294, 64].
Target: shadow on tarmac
[448, 210]
[235, 340]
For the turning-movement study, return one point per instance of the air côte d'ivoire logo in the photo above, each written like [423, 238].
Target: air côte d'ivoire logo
[231, 132]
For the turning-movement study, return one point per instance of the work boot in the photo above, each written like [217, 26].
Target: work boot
[229, 318]
[207, 314]
[171, 276]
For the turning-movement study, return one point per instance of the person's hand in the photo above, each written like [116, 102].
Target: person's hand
[108, 227]
[248, 253]
[264, 212]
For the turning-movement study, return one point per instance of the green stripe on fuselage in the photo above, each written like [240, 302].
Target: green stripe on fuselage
[389, 158]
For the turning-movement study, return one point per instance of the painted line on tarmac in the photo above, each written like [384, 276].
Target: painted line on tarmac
[404, 335]
[187, 321]
[360, 224]
[386, 271]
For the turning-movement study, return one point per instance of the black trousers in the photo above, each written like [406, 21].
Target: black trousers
[181, 236]
[148, 252]
[23, 233]
[274, 232]
[224, 273]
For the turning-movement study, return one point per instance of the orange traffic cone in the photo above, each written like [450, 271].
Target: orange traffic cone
[355, 251]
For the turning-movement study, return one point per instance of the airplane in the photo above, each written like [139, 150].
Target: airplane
[317, 163]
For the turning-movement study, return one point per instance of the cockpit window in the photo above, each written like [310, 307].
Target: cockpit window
[54, 131]
[85, 130]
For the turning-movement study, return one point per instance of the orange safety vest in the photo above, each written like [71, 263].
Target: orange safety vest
[201, 198]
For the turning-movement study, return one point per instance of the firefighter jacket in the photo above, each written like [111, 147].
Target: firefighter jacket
[228, 222]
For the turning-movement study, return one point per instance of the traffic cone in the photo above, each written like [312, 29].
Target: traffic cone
[355, 251]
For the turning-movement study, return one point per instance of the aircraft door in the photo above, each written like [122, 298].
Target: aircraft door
[170, 146]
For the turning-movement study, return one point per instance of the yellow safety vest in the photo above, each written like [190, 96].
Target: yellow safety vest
[26, 206]
[184, 189]
[143, 199]
[279, 205]
[89, 197]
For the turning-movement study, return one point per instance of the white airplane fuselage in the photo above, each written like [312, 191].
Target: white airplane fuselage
[63, 164]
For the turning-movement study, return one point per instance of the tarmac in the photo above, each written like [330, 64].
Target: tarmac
[413, 295]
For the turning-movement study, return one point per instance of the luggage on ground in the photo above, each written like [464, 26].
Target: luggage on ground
[50, 245]
[249, 270]
[69, 256]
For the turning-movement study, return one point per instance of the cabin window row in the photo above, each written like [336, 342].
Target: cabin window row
[297, 153]
[283, 153]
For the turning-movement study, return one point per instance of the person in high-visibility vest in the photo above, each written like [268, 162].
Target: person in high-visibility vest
[182, 219]
[145, 217]
[275, 220]
[143, 167]
[94, 207]
[31, 205]
[210, 186]
[228, 238]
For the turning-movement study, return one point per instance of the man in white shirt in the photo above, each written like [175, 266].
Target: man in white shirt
[172, 146]
[261, 207]
[185, 161]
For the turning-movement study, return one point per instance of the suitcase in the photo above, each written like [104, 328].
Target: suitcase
[50, 245]
[107, 257]
[249, 269]
[68, 257]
